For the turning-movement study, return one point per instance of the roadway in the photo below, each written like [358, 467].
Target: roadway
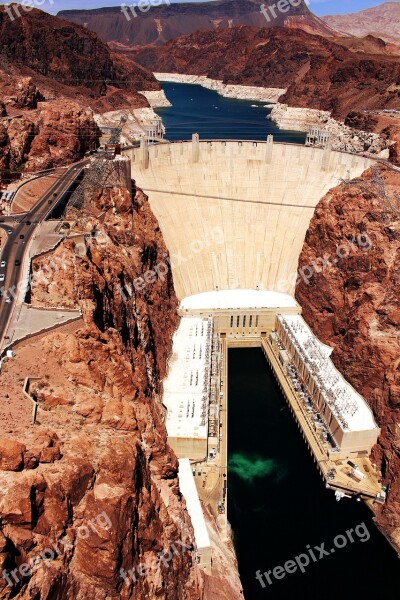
[20, 230]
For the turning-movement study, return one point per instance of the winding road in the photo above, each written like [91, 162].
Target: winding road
[20, 230]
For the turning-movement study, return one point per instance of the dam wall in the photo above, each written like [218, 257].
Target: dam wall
[234, 214]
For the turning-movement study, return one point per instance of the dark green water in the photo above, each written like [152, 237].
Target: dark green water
[278, 504]
[198, 110]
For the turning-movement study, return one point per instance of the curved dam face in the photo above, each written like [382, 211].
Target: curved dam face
[235, 214]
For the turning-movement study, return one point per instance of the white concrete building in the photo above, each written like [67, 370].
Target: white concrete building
[240, 313]
[344, 411]
[189, 491]
[187, 388]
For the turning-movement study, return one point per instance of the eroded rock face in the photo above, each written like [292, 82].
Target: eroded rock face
[53, 74]
[11, 455]
[362, 121]
[164, 20]
[317, 73]
[386, 124]
[380, 21]
[97, 483]
[349, 294]
[394, 133]
[351, 136]
[61, 52]
[56, 133]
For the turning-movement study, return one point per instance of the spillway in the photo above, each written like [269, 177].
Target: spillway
[234, 214]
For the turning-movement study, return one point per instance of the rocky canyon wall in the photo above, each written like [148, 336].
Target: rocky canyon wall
[317, 73]
[349, 294]
[37, 135]
[54, 76]
[95, 476]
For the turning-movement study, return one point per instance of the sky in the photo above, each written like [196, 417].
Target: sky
[319, 7]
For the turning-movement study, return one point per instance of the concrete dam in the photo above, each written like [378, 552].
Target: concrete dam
[235, 214]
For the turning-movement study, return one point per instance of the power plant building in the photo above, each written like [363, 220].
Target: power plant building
[187, 388]
[240, 313]
[346, 414]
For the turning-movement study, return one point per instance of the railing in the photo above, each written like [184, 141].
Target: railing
[256, 142]
[26, 391]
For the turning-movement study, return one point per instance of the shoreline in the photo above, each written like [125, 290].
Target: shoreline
[238, 92]
[341, 136]
[156, 98]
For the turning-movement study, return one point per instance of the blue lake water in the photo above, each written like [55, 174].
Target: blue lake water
[278, 504]
[198, 110]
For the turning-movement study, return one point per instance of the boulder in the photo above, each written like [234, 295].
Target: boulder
[11, 455]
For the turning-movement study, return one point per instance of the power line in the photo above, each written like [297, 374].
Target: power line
[207, 197]
[228, 126]
[223, 198]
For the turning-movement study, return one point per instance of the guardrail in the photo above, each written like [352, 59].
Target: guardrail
[26, 393]
[256, 142]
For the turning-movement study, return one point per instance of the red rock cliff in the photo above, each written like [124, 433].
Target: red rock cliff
[44, 135]
[317, 72]
[67, 55]
[170, 20]
[94, 481]
[53, 74]
[349, 294]
[95, 475]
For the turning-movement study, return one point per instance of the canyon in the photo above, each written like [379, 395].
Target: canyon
[317, 73]
[54, 78]
[99, 446]
[319, 84]
[353, 306]
[99, 443]
[231, 46]
[351, 303]
[166, 21]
